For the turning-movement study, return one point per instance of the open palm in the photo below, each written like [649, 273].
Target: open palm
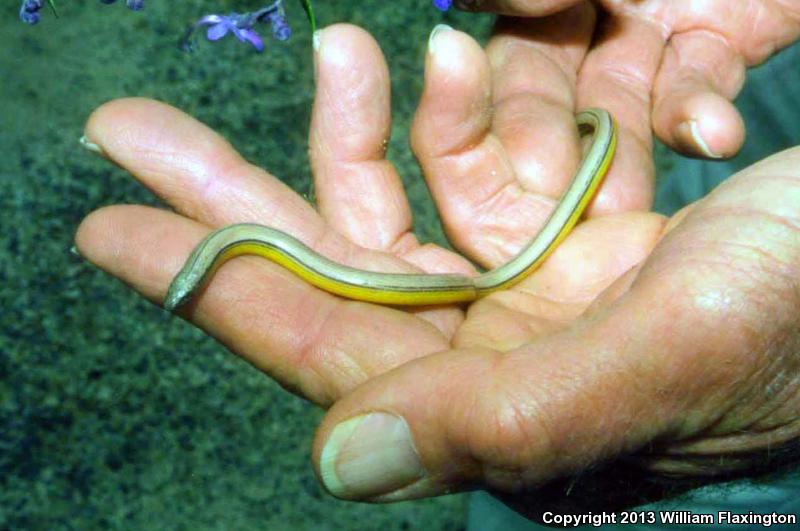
[320, 345]
[592, 356]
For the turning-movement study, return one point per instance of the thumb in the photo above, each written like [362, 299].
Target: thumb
[696, 355]
[500, 420]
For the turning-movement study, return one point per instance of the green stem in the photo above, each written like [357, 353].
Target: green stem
[53, 7]
[310, 14]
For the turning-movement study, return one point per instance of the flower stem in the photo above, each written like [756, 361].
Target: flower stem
[52, 5]
[310, 14]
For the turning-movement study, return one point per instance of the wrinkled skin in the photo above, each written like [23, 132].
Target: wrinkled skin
[675, 340]
[669, 66]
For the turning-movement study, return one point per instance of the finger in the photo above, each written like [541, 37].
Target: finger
[692, 110]
[521, 8]
[618, 75]
[480, 417]
[200, 174]
[462, 163]
[358, 191]
[534, 68]
[313, 343]
[195, 170]
[485, 210]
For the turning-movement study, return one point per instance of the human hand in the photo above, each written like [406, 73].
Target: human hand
[686, 364]
[534, 382]
[669, 66]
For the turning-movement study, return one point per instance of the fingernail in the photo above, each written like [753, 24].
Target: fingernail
[697, 139]
[368, 456]
[91, 146]
[437, 31]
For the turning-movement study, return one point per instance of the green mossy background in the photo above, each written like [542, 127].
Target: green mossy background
[114, 414]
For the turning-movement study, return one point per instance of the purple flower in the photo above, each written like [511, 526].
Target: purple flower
[240, 25]
[277, 19]
[29, 11]
[442, 5]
